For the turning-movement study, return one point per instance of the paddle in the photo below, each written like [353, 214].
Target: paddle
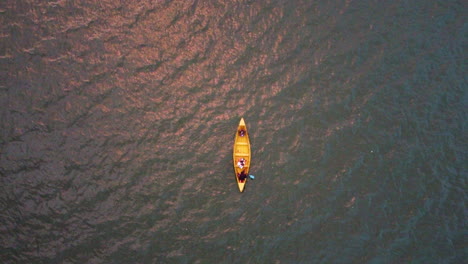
[252, 177]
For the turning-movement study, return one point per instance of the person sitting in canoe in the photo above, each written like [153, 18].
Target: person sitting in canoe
[242, 133]
[242, 176]
[241, 163]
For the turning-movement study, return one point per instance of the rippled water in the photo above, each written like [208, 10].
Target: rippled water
[118, 120]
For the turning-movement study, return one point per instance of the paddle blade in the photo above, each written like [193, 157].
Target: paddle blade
[252, 177]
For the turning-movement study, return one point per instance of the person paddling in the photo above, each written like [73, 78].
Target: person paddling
[242, 176]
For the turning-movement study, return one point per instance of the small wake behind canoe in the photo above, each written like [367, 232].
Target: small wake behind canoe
[241, 155]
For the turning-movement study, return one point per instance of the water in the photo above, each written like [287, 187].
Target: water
[118, 120]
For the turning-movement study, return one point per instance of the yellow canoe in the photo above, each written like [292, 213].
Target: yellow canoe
[241, 154]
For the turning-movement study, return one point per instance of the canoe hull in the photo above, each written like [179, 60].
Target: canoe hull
[241, 151]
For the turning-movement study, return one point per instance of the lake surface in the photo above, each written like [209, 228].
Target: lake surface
[118, 121]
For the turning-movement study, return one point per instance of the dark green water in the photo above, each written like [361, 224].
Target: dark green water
[118, 118]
